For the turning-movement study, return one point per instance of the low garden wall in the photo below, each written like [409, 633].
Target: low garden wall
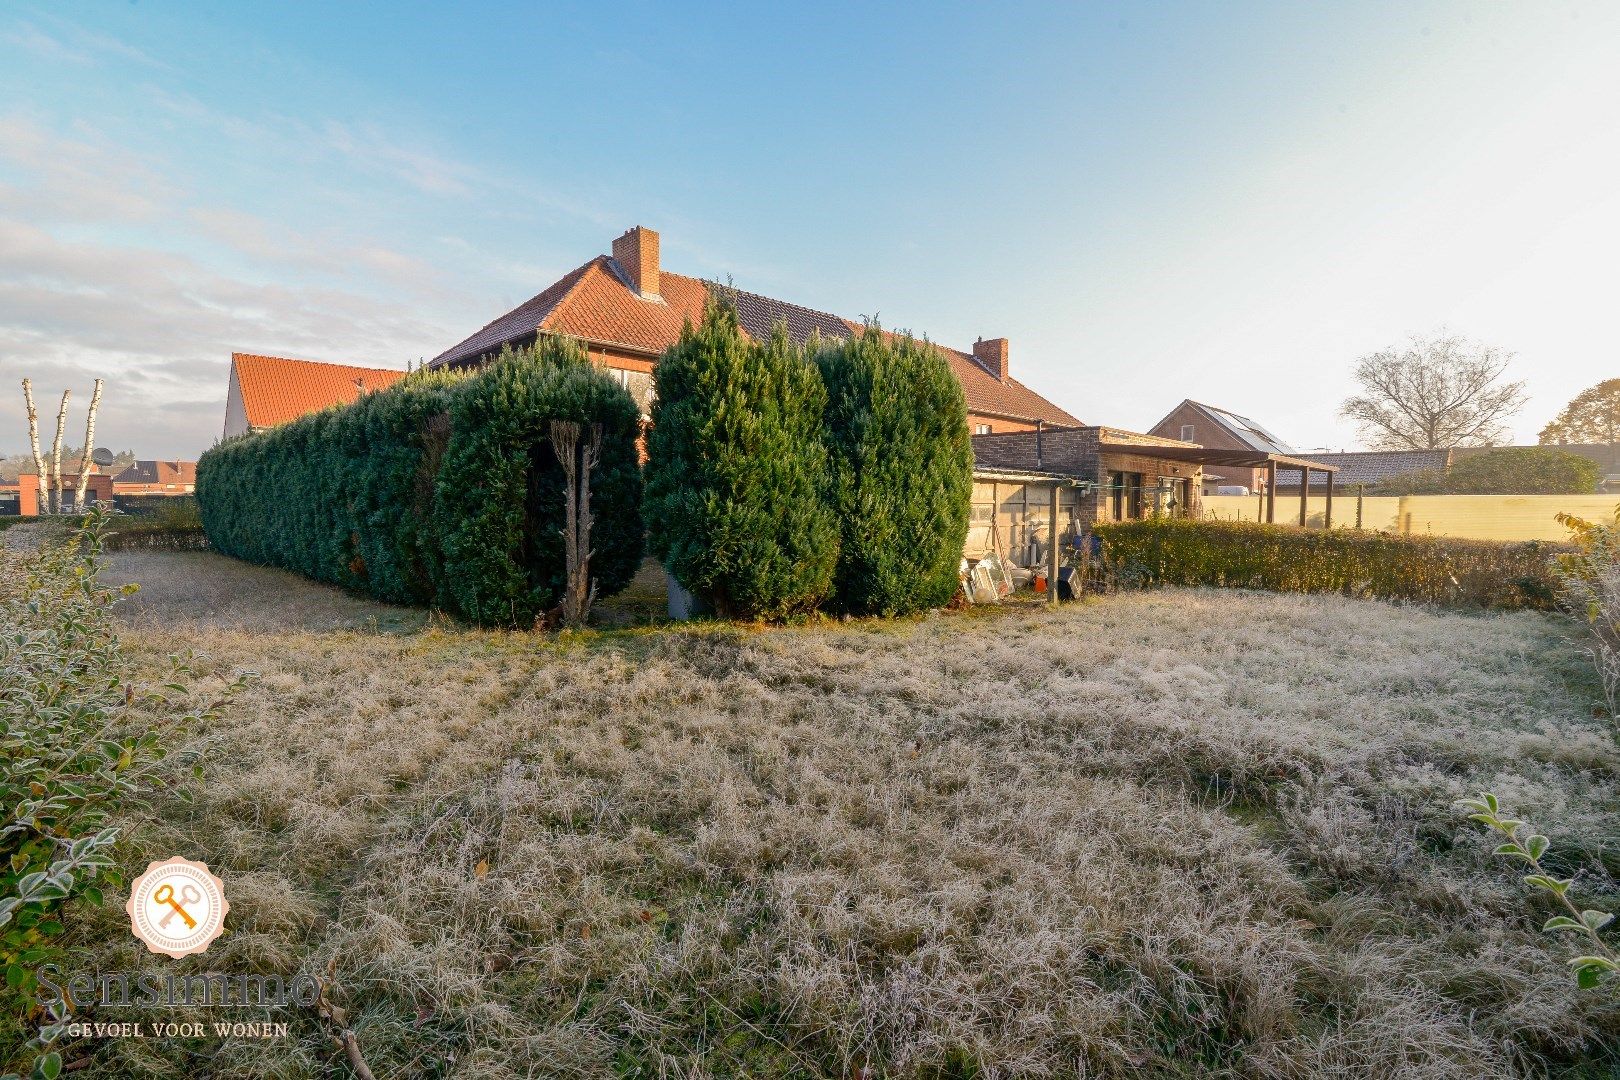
[1473, 517]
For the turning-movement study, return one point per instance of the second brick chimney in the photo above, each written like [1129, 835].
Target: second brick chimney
[993, 355]
[637, 252]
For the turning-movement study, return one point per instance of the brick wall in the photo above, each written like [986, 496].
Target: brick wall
[993, 355]
[637, 251]
[996, 424]
[1072, 451]
[100, 490]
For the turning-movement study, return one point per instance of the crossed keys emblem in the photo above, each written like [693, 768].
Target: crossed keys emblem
[177, 907]
[165, 895]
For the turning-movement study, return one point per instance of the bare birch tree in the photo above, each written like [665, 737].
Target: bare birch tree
[1436, 394]
[87, 461]
[56, 455]
[33, 444]
[577, 461]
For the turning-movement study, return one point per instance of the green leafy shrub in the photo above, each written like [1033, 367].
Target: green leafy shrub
[737, 471]
[1507, 470]
[902, 468]
[499, 500]
[77, 745]
[1530, 847]
[440, 489]
[1589, 590]
[1280, 558]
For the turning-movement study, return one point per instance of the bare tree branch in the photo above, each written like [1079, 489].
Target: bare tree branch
[577, 460]
[56, 455]
[33, 444]
[1435, 394]
[89, 442]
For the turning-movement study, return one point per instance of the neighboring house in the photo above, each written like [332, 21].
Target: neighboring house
[1115, 475]
[156, 478]
[627, 310]
[1367, 467]
[22, 495]
[266, 391]
[1221, 429]
[1124, 474]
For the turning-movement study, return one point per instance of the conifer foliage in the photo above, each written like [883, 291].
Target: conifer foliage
[500, 498]
[441, 489]
[737, 471]
[902, 462]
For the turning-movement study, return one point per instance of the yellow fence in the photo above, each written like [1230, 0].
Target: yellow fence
[1476, 517]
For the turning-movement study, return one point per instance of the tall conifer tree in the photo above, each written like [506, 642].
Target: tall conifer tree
[736, 499]
[903, 472]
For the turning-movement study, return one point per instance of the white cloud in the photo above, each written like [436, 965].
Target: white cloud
[370, 148]
[67, 43]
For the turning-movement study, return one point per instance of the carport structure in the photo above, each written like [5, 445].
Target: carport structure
[1245, 459]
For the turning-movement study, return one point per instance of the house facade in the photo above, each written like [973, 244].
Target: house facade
[267, 391]
[627, 310]
[22, 495]
[1221, 429]
[1123, 475]
[156, 478]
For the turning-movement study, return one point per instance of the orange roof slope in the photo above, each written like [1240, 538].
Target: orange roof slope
[596, 303]
[276, 390]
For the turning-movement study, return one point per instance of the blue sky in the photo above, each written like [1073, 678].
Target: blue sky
[1228, 202]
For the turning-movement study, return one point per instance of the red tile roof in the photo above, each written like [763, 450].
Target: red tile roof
[596, 303]
[276, 389]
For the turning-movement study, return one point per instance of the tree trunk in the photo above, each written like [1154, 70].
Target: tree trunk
[33, 444]
[577, 461]
[56, 455]
[89, 441]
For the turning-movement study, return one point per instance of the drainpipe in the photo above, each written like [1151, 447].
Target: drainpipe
[1039, 461]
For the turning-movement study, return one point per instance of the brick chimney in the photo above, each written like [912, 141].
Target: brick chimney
[993, 355]
[637, 252]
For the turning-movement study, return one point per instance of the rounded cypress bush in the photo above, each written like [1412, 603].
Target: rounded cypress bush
[902, 472]
[737, 470]
[499, 493]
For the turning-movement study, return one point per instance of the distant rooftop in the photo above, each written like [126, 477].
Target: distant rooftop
[1249, 431]
[277, 389]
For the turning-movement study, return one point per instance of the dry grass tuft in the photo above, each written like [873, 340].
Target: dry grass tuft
[1179, 833]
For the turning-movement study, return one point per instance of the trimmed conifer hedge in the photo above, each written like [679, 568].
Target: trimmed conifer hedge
[737, 471]
[1281, 558]
[442, 489]
[902, 459]
[499, 501]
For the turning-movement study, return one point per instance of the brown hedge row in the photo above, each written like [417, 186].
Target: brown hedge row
[1282, 558]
